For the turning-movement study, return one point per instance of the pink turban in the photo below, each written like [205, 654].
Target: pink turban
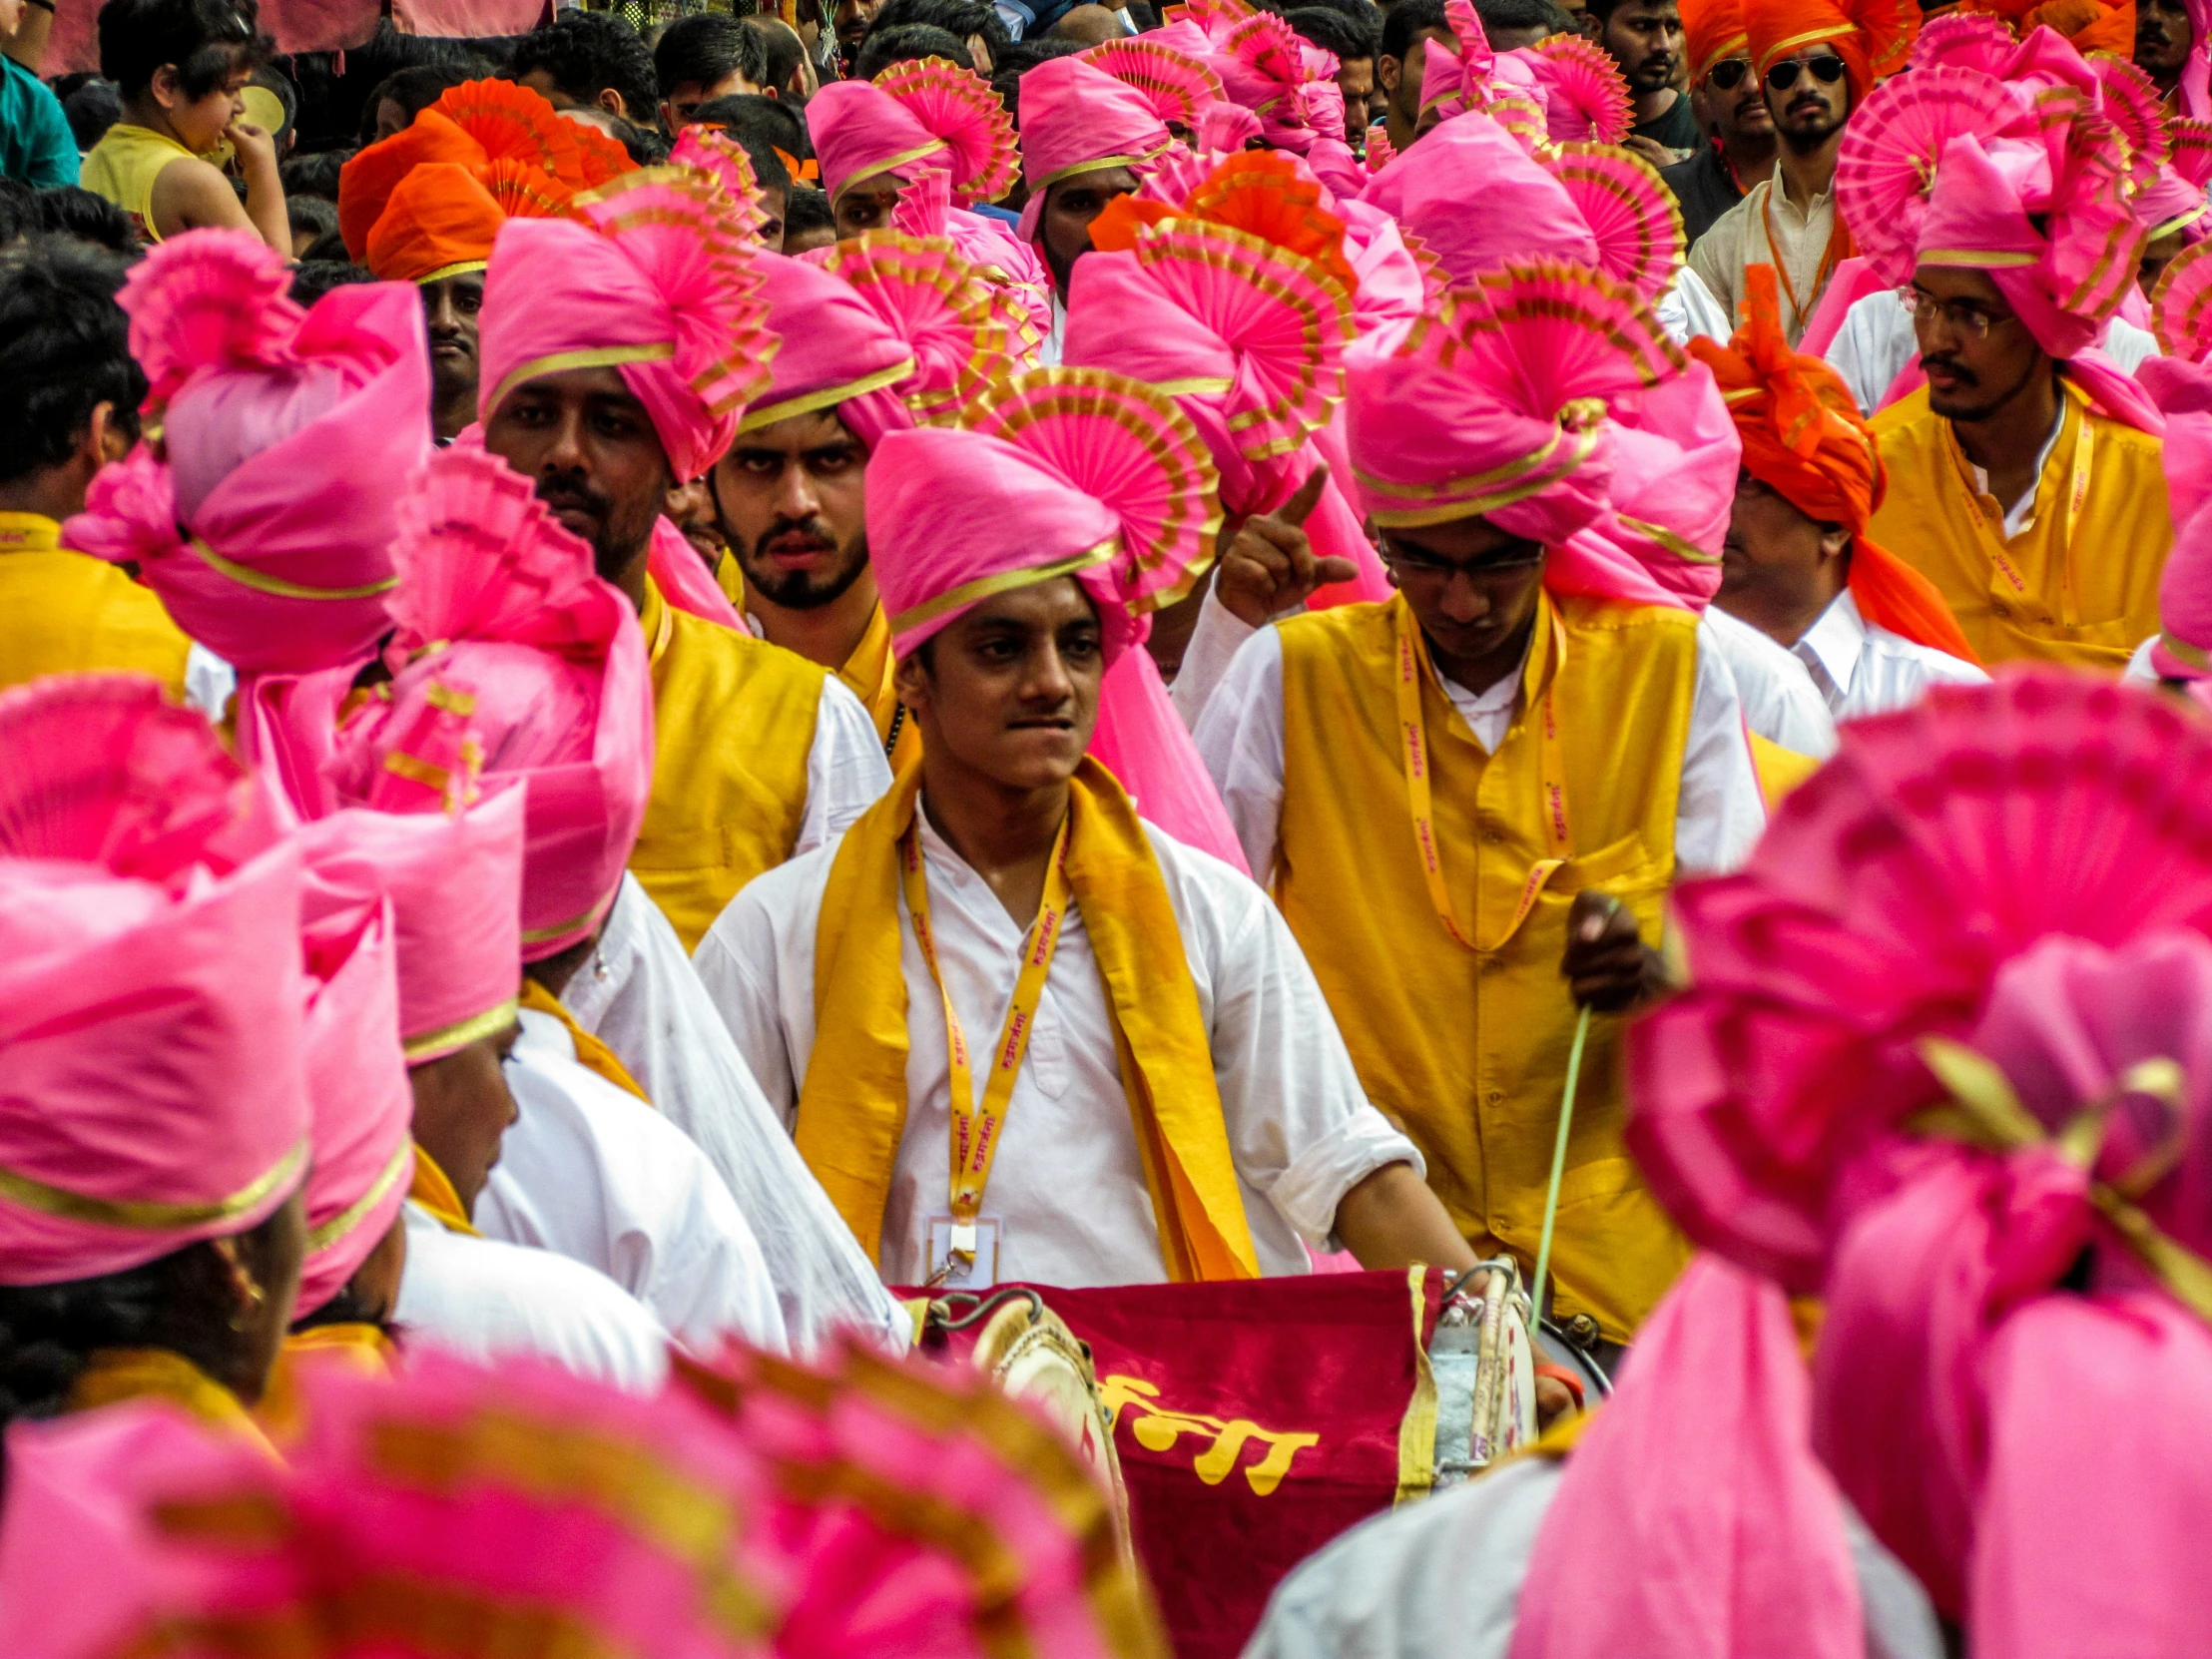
[2170, 204]
[657, 281]
[153, 1090]
[522, 661]
[363, 1107]
[1947, 1061]
[1075, 119]
[860, 131]
[285, 437]
[2063, 279]
[1526, 214]
[1496, 406]
[837, 354]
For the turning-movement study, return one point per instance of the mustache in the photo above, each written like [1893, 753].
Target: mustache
[1950, 365]
[558, 490]
[812, 530]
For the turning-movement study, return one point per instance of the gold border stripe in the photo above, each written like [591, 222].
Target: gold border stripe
[768, 415]
[151, 1214]
[1006, 581]
[467, 267]
[1100, 165]
[538, 935]
[560, 362]
[1198, 385]
[1974, 257]
[1811, 37]
[246, 577]
[462, 1032]
[876, 170]
[330, 1232]
[1669, 541]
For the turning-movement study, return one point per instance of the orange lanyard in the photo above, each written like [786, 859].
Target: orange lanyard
[1552, 772]
[977, 1129]
[1821, 272]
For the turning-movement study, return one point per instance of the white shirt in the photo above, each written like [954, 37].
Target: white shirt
[484, 1300]
[1781, 702]
[846, 768]
[1445, 1576]
[589, 1170]
[1689, 309]
[1862, 668]
[640, 995]
[1739, 237]
[1876, 344]
[1719, 815]
[1068, 1188]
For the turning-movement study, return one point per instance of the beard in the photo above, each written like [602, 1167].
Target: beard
[802, 589]
[620, 536]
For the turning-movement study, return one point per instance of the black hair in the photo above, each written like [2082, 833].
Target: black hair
[183, 1302]
[1333, 31]
[69, 211]
[1024, 55]
[92, 105]
[1601, 11]
[1547, 15]
[906, 44]
[647, 146]
[786, 51]
[311, 212]
[18, 210]
[208, 41]
[1405, 22]
[701, 49]
[806, 209]
[316, 175]
[958, 18]
[414, 88]
[760, 135]
[585, 54]
[312, 277]
[65, 347]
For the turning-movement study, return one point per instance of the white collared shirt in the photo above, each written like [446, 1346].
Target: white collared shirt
[1068, 1187]
[591, 1171]
[640, 995]
[1876, 345]
[846, 768]
[1862, 668]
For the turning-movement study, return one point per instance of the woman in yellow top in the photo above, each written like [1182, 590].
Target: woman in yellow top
[181, 66]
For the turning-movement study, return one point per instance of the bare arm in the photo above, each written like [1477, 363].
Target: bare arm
[1392, 1220]
[193, 194]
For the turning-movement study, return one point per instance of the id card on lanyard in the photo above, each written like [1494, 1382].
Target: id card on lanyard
[1420, 797]
[956, 1242]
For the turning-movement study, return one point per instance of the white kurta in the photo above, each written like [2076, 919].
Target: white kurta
[1717, 816]
[589, 1170]
[1068, 1190]
[483, 1300]
[640, 995]
[1862, 668]
[1443, 1576]
[1779, 701]
[846, 768]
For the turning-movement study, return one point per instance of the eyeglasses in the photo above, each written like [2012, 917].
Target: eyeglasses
[1971, 317]
[1728, 73]
[1783, 75]
[1420, 569]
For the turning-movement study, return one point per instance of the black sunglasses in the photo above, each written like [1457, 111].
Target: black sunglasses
[1783, 75]
[1728, 73]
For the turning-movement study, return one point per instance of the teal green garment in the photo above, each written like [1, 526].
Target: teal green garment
[36, 144]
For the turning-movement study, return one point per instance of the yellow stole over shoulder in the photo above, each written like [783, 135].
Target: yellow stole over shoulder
[114, 1375]
[592, 1054]
[852, 1106]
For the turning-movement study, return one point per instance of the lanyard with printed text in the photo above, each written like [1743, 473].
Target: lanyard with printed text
[1551, 772]
[2078, 492]
[978, 1126]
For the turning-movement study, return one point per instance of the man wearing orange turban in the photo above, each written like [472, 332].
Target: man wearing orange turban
[1873, 632]
[1729, 104]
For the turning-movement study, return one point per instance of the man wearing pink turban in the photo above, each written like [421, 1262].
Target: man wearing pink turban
[2025, 478]
[1509, 762]
[1168, 1098]
[619, 350]
[1084, 136]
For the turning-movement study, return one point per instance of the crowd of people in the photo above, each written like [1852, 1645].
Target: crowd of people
[663, 697]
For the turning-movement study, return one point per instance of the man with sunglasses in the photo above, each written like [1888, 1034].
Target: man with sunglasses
[1575, 748]
[2024, 480]
[1729, 104]
[1815, 63]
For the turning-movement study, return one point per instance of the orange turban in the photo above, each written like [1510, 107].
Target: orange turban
[438, 223]
[2086, 25]
[1805, 438]
[1711, 30]
[1872, 37]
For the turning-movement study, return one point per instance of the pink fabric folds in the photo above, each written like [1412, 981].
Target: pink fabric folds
[362, 1108]
[1693, 1521]
[837, 353]
[153, 1089]
[860, 131]
[1526, 214]
[522, 661]
[1076, 117]
[657, 282]
[2183, 390]
[455, 887]
[287, 436]
[683, 576]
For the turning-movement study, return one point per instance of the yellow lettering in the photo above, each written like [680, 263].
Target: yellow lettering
[1157, 1429]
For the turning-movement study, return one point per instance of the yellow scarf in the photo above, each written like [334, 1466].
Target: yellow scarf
[362, 1347]
[114, 1375]
[435, 1191]
[852, 1106]
[591, 1053]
